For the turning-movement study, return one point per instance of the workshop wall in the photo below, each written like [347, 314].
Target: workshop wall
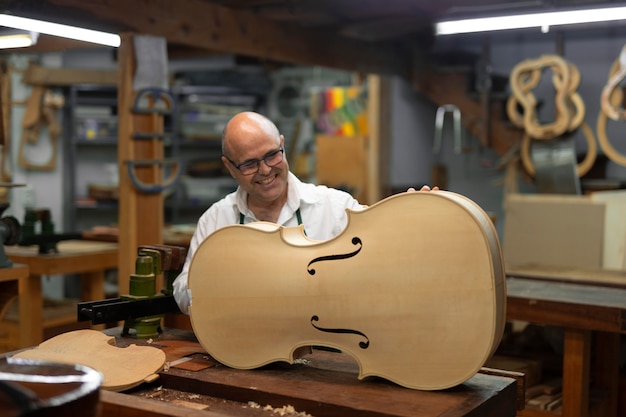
[475, 173]
[38, 188]
[592, 51]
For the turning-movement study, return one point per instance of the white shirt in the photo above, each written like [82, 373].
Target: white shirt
[323, 212]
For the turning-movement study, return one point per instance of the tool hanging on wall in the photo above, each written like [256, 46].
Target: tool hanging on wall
[525, 76]
[550, 145]
[617, 74]
[439, 172]
[154, 103]
[41, 111]
[612, 107]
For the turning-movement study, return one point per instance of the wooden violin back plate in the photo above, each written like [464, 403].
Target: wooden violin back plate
[413, 289]
[122, 368]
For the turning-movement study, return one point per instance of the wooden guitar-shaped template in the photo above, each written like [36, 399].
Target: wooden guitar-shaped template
[413, 289]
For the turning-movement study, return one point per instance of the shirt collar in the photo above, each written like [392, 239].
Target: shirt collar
[297, 194]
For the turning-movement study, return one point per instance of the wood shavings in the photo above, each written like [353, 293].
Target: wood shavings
[228, 407]
[286, 410]
[157, 392]
[188, 404]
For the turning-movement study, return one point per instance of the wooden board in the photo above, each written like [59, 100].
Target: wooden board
[123, 368]
[553, 230]
[342, 163]
[567, 304]
[38, 75]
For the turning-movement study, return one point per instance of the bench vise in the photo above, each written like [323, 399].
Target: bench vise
[143, 308]
[46, 240]
[10, 231]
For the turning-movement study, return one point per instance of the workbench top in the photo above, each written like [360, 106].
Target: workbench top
[322, 383]
[65, 248]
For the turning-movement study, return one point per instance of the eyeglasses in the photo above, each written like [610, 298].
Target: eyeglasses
[252, 166]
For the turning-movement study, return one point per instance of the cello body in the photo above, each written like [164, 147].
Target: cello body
[413, 289]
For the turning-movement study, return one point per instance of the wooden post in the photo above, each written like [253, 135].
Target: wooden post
[604, 373]
[140, 214]
[576, 372]
[378, 145]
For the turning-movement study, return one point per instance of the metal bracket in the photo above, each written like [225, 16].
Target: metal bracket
[439, 120]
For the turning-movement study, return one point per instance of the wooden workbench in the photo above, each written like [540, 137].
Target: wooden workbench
[321, 384]
[88, 259]
[589, 311]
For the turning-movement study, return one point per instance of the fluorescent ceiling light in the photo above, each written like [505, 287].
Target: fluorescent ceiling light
[64, 31]
[530, 20]
[17, 40]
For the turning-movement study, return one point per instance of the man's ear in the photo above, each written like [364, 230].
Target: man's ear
[229, 166]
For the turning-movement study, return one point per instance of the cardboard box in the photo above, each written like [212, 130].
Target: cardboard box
[554, 230]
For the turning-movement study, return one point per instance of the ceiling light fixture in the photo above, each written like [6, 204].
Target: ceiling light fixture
[17, 40]
[64, 31]
[542, 20]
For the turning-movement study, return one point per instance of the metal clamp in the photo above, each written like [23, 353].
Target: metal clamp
[439, 120]
[158, 101]
[153, 188]
[153, 101]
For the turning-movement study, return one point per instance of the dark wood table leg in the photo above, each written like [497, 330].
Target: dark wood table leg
[576, 359]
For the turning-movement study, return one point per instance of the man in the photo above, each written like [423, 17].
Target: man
[254, 154]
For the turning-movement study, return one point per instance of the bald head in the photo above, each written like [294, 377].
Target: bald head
[243, 127]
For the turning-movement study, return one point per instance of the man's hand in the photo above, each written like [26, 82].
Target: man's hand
[424, 188]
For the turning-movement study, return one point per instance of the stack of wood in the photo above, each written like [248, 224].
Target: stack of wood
[545, 396]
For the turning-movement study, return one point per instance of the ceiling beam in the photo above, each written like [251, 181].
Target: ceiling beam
[217, 28]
